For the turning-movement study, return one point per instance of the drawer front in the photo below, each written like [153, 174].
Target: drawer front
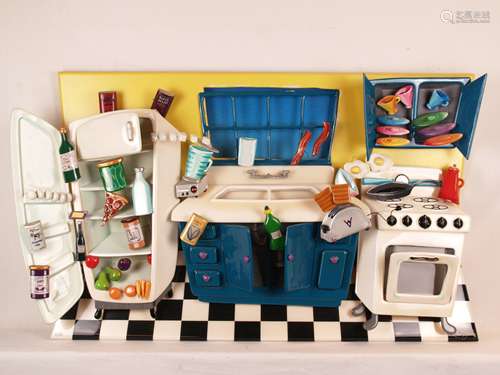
[332, 267]
[207, 278]
[203, 254]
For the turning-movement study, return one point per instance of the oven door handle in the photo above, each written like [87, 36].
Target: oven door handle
[425, 259]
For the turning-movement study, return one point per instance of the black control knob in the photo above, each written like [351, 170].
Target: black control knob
[424, 221]
[458, 223]
[407, 221]
[391, 220]
[441, 222]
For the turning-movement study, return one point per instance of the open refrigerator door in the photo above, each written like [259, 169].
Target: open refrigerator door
[43, 203]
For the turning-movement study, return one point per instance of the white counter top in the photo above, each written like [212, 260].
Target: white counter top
[245, 204]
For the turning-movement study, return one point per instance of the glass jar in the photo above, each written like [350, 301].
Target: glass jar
[112, 175]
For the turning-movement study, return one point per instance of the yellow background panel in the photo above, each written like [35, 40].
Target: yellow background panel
[137, 90]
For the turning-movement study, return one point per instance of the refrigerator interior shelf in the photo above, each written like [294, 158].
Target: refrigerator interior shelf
[115, 245]
[96, 186]
[127, 212]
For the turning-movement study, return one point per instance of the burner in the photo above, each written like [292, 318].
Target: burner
[402, 205]
[435, 206]
[424, 200]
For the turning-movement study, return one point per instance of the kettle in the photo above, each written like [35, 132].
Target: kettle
[451, 184]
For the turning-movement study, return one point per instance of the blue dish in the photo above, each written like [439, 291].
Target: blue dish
[393, 120]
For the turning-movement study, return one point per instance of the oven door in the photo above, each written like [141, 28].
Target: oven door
[428, 277]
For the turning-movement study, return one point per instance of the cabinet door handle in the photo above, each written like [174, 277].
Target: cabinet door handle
[425, 259]
[334, 259]
[130, 131]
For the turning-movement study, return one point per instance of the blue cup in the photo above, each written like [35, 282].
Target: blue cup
[198, 161]
[438, 99]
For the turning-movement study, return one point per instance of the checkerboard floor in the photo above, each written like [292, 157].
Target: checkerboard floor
[184, 318]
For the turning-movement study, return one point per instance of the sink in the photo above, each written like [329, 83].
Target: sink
[266, 192]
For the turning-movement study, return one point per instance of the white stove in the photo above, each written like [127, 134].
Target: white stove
[418, 213]
[409, 261]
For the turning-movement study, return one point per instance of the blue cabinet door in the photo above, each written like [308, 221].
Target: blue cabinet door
[332, 269]
[470, 102]
[370, 118]
[237, 255]
[299, 256]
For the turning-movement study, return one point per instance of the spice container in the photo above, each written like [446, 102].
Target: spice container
[135, 235]
[112, 175]
[39, 282]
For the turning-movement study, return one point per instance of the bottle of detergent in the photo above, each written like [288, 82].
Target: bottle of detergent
[272, 225]
[273, 228]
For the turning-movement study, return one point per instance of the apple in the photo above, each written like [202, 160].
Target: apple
[91, 261]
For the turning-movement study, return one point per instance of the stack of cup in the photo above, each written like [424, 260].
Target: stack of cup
[198, 161]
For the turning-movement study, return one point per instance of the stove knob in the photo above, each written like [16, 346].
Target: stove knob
[458, 223]
[407, 221]
[441, 223]
[424, 221]
[391, 220]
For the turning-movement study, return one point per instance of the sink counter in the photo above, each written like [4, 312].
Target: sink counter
[228, 204]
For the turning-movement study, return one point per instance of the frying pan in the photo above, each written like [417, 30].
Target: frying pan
[396, 189]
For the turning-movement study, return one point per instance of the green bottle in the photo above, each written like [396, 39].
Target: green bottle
[67, 154]
[272, 225]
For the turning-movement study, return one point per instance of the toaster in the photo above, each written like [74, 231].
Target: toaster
[342, 221]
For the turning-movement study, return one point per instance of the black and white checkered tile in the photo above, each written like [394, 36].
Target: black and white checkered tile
[183, 317]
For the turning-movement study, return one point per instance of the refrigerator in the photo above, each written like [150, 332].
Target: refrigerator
[42, 195]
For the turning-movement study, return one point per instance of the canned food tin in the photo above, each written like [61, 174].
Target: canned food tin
[112, 175]
[194, 229]
[135, 235]
[39, 282]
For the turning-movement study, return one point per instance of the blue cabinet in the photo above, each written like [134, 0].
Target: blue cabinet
[463, 108]
[299, 257]
[237, 253]
[222, 267]
[332, 269]
[468, 112]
